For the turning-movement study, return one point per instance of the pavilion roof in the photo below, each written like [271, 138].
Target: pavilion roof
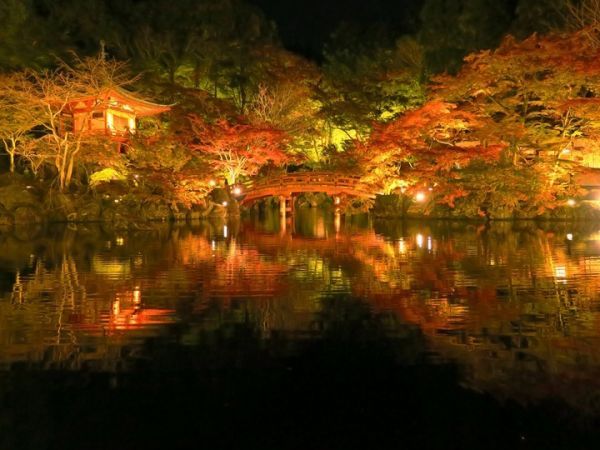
[140, 106]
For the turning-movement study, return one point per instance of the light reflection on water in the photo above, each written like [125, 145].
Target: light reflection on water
[515, 306]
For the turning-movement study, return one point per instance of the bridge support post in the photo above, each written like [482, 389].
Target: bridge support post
[286, 206]
[282, 206]
[336, 203]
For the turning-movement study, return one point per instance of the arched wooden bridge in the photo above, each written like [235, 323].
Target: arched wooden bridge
[288, 185]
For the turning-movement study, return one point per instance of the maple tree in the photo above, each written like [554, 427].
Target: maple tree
[238, 149]
[161, 168]
[423, 149]
[538, 96]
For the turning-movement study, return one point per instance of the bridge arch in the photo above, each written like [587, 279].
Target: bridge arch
[288, 185]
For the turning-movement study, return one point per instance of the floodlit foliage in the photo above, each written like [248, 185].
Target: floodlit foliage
[19, 114]
[510, 133]
[425, 149]
[364, 84]
[538, 97]
[239, 150]
[54, 92]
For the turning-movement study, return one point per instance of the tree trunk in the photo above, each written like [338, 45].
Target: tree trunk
[12, 161]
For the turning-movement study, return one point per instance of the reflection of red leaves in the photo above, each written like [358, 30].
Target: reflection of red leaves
[232, 271]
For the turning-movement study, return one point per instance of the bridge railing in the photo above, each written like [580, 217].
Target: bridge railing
[307, 178]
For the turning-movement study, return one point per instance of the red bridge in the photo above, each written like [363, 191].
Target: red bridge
[288, 185]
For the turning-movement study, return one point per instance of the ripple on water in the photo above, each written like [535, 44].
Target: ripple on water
[512, 307]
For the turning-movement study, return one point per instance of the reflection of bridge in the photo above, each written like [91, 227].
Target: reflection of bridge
[286, 186]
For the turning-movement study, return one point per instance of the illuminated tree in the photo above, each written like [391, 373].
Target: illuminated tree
[161, 169]
[538, 96]
[239, 149]
[367, 82]
[425, 148]
[285, 101]
[584, 16]
[19, 114]
[54, 92]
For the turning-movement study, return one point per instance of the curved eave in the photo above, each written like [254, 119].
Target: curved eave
[140, 107]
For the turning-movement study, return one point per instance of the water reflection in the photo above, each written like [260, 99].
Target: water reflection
[516, 307]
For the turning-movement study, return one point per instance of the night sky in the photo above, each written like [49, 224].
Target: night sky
[305, 26]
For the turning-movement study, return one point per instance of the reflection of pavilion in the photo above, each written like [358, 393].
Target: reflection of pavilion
[505, 306]
[128, 313]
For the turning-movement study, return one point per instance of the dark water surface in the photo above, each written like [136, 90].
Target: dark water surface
[321, 334]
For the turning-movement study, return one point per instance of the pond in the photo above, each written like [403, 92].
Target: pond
[322, 332]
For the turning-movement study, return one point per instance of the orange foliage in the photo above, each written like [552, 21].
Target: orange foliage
[239, 149]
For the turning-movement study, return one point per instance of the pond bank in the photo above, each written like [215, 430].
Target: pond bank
[23, 203]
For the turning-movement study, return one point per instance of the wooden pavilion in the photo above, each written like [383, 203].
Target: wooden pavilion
[112, 113]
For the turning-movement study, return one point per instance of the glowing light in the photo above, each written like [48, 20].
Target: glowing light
[420, 197]
[337, 200]
[571, 202]
[237, 190]
[120, 241]
[213, 245]
[560, 272]
[429, 243]
[225, 231]
[420, 240]
[116, 307]
[224, 203]
[320, 230]
[137, 296]
[212, 183]
[402, 246]
[569, 236]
